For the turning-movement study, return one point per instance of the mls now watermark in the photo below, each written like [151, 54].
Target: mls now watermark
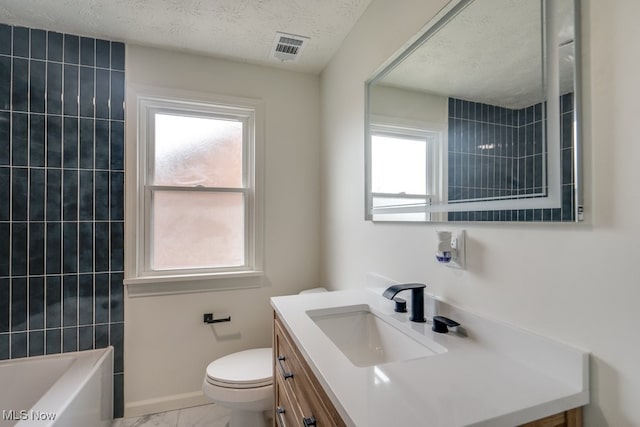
[24, 415]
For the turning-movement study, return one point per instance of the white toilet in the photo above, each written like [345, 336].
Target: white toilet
[243, 382]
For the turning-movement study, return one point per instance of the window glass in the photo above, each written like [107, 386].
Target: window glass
[195, 229]
[197, 151]
[400, 165]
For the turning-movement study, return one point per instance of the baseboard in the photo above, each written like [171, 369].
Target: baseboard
[163, 404]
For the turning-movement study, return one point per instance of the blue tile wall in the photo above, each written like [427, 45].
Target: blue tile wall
[497, 153]
[61, 195]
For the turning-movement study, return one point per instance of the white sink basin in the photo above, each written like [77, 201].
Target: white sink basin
[366, 339]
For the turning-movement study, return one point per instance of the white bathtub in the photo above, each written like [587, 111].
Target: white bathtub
[62, 390]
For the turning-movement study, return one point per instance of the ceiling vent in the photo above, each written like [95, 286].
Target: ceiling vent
[288, 47]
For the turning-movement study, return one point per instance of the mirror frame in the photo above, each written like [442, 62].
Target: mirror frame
[553, 198]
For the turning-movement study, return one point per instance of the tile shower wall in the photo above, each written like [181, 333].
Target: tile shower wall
[497, 153]
[61, 195]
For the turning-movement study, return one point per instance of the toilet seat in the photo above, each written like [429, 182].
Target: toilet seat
[243, 370]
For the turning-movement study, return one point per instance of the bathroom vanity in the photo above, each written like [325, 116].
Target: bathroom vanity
[347, 359]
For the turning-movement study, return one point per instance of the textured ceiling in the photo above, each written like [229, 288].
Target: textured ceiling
[491, 53]
[238, 29]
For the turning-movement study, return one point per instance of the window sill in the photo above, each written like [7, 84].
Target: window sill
[192, 283]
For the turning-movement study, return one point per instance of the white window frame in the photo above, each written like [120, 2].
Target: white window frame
[140, 278]
[435, 140]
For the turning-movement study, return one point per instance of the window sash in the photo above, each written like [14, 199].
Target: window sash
[434, 173]
[189, 109]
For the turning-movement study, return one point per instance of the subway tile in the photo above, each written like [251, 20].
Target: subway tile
[86, 194]
[117, 297]
[5, 249]
[71, 49]
[19, 193]
[36, 140]
[18, 345]
[37, 86]
[5, 304]
[20, 139]
[54, 302]
[85, 338]
[69, 247]
[87, 85]
[53, 338]
[102, 92]
[85, 247]
[21, 42]
[54, 195]
[5, 39]
[103, 53]
[54, 88]
[566, 158]
[85, 299]
[5, 82]
[69, 339]
[102, 250]
[54, 141]
[18, 304]
[36, 194]
[36, 248]
[70, 300]
[102, 179]
[5, 193]
[117, 196]
[70, 195]
[53, 261]
[102, 302]
[36, 303]
[118, 396]
[54, 46]
[38, 44]
[117, 95]
[36, 343]
[568, 204]
[117, 56]
[70, 150]
[20, 85]
[566, 103]
[566, 124]
[86, 143]
[87, 51]
[4, 346]
[101, 337]
[70, 88]
[538, 161]
[116, 339]
[102, 144]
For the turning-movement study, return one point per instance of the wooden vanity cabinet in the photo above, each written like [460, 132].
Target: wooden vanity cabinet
[570, 418]
[300, 400]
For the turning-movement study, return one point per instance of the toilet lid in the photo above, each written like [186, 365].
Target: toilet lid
[245, 369]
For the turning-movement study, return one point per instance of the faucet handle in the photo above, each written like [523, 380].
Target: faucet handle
[441, 324]
[401, 305]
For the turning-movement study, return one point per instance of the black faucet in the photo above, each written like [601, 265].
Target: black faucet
[417, 298]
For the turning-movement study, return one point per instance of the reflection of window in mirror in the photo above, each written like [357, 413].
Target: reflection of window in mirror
[406, 170]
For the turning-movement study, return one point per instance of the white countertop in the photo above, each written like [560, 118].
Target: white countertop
[495, 376]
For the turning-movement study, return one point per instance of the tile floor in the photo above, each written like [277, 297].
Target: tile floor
[199, 416]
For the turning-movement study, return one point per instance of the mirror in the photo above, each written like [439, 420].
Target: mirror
[477, 119]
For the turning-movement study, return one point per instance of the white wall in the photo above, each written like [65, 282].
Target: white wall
[409, 105]
[576, 283]
[167, 347]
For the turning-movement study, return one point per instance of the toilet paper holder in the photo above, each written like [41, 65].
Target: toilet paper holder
[208, 318]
